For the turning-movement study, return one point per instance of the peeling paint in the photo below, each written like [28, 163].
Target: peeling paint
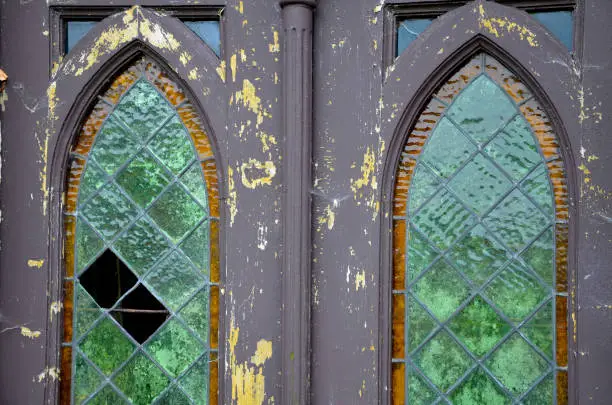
[185, 58]
[31, 334]
[255, 173]
[360, 280]
[232, 196]
[52, 373]
[233, 66]
[36, 263]
[328, 218]
[274, 47]
[221, 70]
[497, 25]
[55, 308]
[250, 99]
[193, 74]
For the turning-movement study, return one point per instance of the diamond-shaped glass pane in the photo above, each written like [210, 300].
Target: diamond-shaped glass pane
[176, 212]
[141, 380]
[194, 181]
[172, 145]
[174, 280]
[87, 380]
[88, 244]
[480, 184]
[141, 246]
[109, 212]
[87, 311]
[543, 394]
[195, 381]
[539, 329]
[516, 291]
[423, 185]
[106, 346]
[443, 361]
[537, 186]
[540, 256]
[114, 146]
[93, 178]
[517, 365]
[478, 255]
[196, 247]
[482, 123]
[194, 314]
[420, 254]
[443, 219]
[419, 323]
[174, 348]
[173, 396]
[479, 327]
[479, 389]
[419, 392]
[143, 179]
[442, 290]
[447, 149]
[143, 110]
[514, 149]
[516, 221]
[107, 396]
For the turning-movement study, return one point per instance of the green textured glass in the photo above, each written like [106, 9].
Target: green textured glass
[420, 324]
[113, 147]
[143, 110]
[482, 123]
[543, 394]
[106, 346]
[143, 179]
[516, 292]
[172, 145]
[447, 149]
[174, 348]
[87, 383]
[420, 254]
[195, 381]
[192, 314]
[93, 178]
[141, 246]
[424, 184]
[479, 327]
[87, 311]
[540, 256]
[442, 290]
[107, 396]
[443, 361]
[194, 182]
[195, 246]
[479, 389]
[539, 329]
[174, 280]
[176, 212]
[141, 380]
[109, 212]
[517, 365]
[173, 396]
[89, 245]
[419, 392]
[537, 186]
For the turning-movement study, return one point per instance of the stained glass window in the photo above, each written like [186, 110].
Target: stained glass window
[480, 248]
[408, 29]
[74, 31]
[142, 270]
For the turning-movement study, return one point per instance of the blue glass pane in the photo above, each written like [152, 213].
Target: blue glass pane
[75, 30]
[560, 23]
[209, 31]
[408, 30]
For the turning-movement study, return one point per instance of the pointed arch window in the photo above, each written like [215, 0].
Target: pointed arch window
[480, 248]
[141, 288]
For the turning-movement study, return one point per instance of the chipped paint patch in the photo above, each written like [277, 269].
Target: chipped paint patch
[51, 373]
[360, 280]
[185, 58]
[274, 47]
[262, 235]
[255, 173]
[367, 171]
[249, 98]
[221, 70]
[36, 263]
[328, 218]
[232, 196]
[233, 66]
[498, 25]
[263, 352]
[193, 74]
[55, 308]
[31, 334]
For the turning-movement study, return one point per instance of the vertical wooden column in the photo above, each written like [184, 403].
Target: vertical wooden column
[297, 125]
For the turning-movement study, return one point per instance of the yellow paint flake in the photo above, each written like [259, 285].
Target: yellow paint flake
[274, 47]
[360, 280]
[329, 218]
[232, 196]
[36, 263]
[52, 373]
[185, 58]
[255, 173]
[27, 332]
[367, 171]
[243, 57]
[249, 98]
[221, 70]
[233, 66]
[441, 51]
[158, 36]
[266, 141]
[193, 74]
[263, 352]
[497, 25]
[241, 7]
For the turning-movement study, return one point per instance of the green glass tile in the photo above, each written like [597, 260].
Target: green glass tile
[516, 221]
[482, 123]
[174, 348]
[516, 365]
[195, 381]
[174, 280]
[419, 392]
[93, 178]
[480, 184]
[106, 346]
[172, 145]
[176, 212]
[196, 314]
[516, 292]
[113, 147]
[479, 389]
[85, 380]
[443, 219]
[107, 396]
[442, 290]
[447, 149]
[537, 186]
[88, 244]
[194, 181]
[515, 149]
[141, 380]
[539, 330]
[541, 256]
[109, 212]
[143, 179]
[420, 254]
[478, 255]
[173, 396]
[479, 327]
[143, 109]
[443, 361]
[87, 311]
[419, 323]
[141, 246]
[423, 185]
[543, 394]
[197, 247]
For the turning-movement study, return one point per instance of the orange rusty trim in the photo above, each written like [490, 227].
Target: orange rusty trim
[507, 80]
[542, 128]
[192, 121]
[460, 80]
[122, 83]
[399, 325]
[399, 255]
[214, 317]
[169, 88]
[91, 127]
[562, 332]
[213, 392]
[562, 240]
[68, 310]
[77, 167]
[398, 384]
[212, 186]
[559, 184]
[562, 388]
[65, 375]
[69, 244]
[214, 251]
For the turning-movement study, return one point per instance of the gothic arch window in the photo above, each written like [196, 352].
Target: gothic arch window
[480, 236]
[141, 287]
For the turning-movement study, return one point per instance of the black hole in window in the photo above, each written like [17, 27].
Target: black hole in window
[107, 279]
[140, 313]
